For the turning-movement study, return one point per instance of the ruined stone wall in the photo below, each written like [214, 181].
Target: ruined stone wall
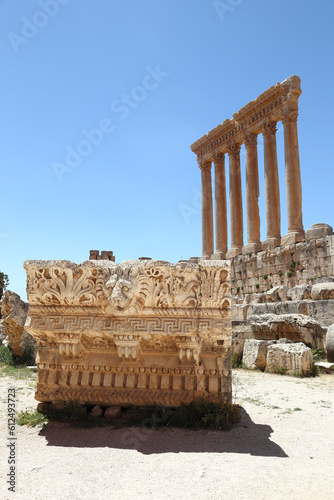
[289, 265]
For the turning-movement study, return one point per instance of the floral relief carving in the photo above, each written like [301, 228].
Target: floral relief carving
[65, 286]
[136, 330]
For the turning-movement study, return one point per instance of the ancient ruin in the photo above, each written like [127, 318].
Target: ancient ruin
[144, 332]
[278, 103]
[134, 333]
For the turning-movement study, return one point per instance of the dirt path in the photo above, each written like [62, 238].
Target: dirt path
[283, 449]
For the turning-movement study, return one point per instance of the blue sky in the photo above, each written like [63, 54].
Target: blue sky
[153, 76]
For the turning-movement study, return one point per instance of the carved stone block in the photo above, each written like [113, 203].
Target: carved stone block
[134, 333]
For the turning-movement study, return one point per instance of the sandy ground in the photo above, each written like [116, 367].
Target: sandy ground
[283, 449]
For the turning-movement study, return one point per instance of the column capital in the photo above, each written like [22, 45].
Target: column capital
[219, 158]
[204, 165]
[250, 139]
[290, 116]
[269, 128]
[233, 148]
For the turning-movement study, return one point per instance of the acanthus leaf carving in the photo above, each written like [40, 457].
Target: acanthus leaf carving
[55, 285]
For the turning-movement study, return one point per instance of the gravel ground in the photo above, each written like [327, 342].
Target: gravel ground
[283, 449]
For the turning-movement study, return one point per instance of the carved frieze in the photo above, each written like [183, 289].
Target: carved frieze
[153, 319]
[269, 106]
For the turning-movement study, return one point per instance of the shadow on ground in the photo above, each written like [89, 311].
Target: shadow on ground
[247, 437]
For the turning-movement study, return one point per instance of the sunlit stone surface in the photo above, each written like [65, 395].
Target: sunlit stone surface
[134, 333]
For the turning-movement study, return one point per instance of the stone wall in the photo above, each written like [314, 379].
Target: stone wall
[289, 265]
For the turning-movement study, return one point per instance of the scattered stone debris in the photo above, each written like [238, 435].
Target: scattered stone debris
[14, 313]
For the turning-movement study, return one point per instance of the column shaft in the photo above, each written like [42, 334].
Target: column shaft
[235, 201]
[271, 180]
[220, 206]
[252, 195]
[292, 180]
[207, 210]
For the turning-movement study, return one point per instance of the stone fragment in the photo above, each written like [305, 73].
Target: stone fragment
[291, 357]
[239, 334]
[131, 333]
[14, 313]
[112, 412]
[323, 279]
[255, 354]
[299, 292]
[322, 291]
[273, 295]
[239, 312]
[325, 367]
[96, 411]
[282, 293]
[330, 343]
[318, 231]
[321, 311]
[295, 327]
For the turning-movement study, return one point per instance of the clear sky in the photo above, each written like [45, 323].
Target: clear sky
[153, 76]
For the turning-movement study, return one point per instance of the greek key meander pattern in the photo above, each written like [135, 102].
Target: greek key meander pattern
[135, 325]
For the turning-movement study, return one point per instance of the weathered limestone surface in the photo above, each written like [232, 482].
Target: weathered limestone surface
[322, 291]
[330, 344]
[292, 357]
[318, 231]
[307, 262]
[281, 301]
[133, 333]
[321, 311]
[239, 335]
[255, 354]
[295, 327]
[14, 313]
[299, 292]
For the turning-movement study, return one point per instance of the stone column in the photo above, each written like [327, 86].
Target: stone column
[235, 201]
[207, 211]
[271, 182]
[293, 180]
[252, 195]
[220, 206]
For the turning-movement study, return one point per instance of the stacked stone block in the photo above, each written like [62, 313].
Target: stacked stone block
[291, 265]
[95, 255]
